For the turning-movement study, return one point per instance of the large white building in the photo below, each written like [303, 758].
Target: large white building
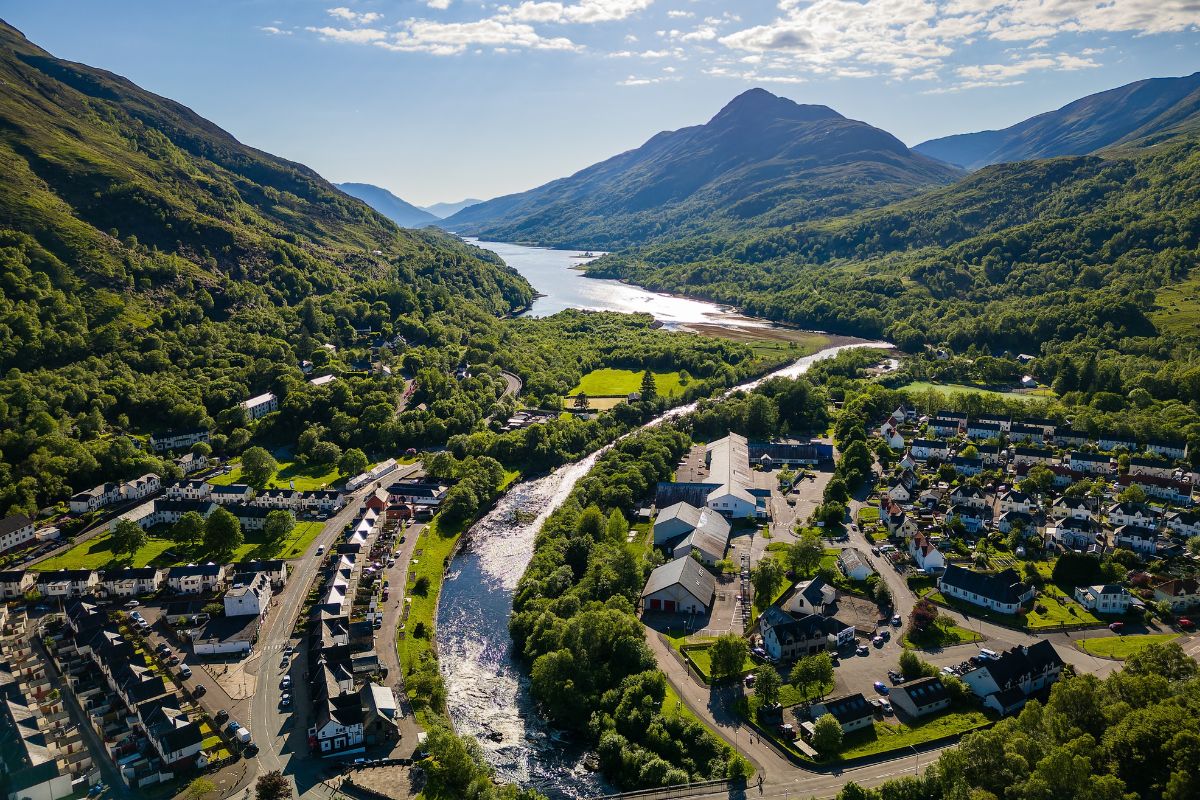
[15, 531]
[260, 405]
[728, 463]
[680, 586]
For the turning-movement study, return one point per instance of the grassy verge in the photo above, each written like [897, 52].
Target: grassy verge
[1122, 647]
[884, 737]
[1054, 617]
[959, 388]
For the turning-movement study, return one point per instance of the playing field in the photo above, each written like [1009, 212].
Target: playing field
[921, 387]
[602, 382]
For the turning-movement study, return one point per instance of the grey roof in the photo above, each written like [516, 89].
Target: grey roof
[923, 691]
[1002, 587]
[850, 708]
[813, 591]
[788, 629]
[688, 573]
[14, 523]
[1015, 664]
[696, 518]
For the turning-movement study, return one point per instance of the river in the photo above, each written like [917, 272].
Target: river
[487, 691]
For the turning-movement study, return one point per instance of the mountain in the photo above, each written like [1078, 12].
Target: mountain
[1127, 113]
[763, 160]
[406, 215]
[443, 210]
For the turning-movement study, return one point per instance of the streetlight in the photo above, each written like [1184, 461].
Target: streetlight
[917, 755]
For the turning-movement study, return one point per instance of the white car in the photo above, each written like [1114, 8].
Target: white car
[132, 604]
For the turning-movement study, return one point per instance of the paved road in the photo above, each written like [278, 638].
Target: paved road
[513, 383]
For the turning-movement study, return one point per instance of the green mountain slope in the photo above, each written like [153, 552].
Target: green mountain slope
[154, 272]
[403, 213]
[763, 160]
[1053, 256]
[1134, 111]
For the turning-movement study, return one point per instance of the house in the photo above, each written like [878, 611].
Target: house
[1028, 456]
[925, 449]
[250, 595]
[231, 494]
[226, 636]
[188, 490]
[1073, 533]
[1014, 500]
[339, 726]
[792, 453]
[1181, 593]
[703, 544]
[192, 462]
[251, 518]
[1109, 598]
[1022, 432]
[907, 461]
[994, 419]
[67, 583]
[196, 578]
[1184, 523]
[1047, 426]
[284, 499]
[893, 516]
[891, 435]
[1137, 539]
[1071, 508]
[924, 554]
[15, 531]
[681, 586]
[1110, 442]
[813, 596]
[921, 697]
[1003, 591]
[1007, 682]
[260, 405]
[852, 712]
[131, 581]
[991, 454]
[381, 713]
[786, 638]
[970, 496]
[949, 423]
[1138, 514]
[1168, 489]
[1139, 465]
[1089, 463]
[973, 519]
[1174, 449]
[728, 462]
[1010, 520]
[177, 440]
[897, 490]
[980, 431]
[1068, 437]
[681, 519]
[324, 501]
[421, 493]
[322, 380]
[968, 466]
[95, 498]
[140, 488]
[275, 570]
[854, 565]
[375, 473]
[14, 583]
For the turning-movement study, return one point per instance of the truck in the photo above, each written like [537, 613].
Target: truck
[242, 734]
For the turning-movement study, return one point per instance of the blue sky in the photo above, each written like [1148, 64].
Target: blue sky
[443, 99]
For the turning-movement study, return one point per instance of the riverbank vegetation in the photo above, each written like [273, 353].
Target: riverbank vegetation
[1134, 734]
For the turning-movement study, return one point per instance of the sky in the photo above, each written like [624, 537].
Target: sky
[437, 100]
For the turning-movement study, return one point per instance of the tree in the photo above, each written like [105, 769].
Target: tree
[353, 462]
[766, 578]
[827, 735]
[128, 537]
[767, 684]
[325, 453]
[198, 788]
[1132, 494]
[883, 595]
[581, 400]
[728, 654]
[924, 614]
[278, 525]
[649, 387]
[258, 466]
[222, 532]
[201, 449]
[273, 786]
[805, 554]
[1038, 480]
[829, 515]
[837, 491]
[1193, 545]
[812, 673]
[911, 665]
[618, 527]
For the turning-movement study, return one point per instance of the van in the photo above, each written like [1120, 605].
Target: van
[990, 655]
[185, 672]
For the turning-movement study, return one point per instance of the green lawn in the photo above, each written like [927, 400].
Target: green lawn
[1122, 647]
[868, 514]
[943, 634]
[306, 477]
[921, 387]
[700, 657]
[1054, 617]
[884, 737]
[96, 553]
[601, 382]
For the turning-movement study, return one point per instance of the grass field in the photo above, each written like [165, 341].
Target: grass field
[1122, 647]
[771, 345]
[623, 381]
[701, 658]
[884, 737]
[1179, 308]
[161, 551]
[1055, 616]
[959, 388]
[943, 634]
[307, 477]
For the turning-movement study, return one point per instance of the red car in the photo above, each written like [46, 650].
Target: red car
[1116, 627]
[1184, 622]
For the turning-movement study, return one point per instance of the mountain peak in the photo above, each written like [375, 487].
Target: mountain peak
[758, 104]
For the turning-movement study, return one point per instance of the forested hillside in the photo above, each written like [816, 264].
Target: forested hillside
[762, 160]
[1062, 258]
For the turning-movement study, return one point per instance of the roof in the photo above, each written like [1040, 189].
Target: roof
[259, 399]
[705, 541]
[923, 691]
[1179, 587]
[850, 708]
[178, 739]
[14, 523]
[233, 488]
[194, 569]
[813, 591]
[220, 630]
[65, 575]
[1013, 665]
[13, 575]
[130, 573]
[687, 573]
[710, 522]
[789, 629]
[852, 559]
[1002, 587]
[1108, 588]
[729, 463]
[272, 565]
[1092, 457]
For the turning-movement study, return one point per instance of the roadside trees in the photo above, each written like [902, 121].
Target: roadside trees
[278, 525]
[728, 654]
[811, 674]
[766, 578]
[767, 684]
[827, 735]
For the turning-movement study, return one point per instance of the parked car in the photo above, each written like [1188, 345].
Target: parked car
[132, 604]
[895, 677]
[185, 672]
[286, 699]
[286, 683]
[881, 687]
[320, 549]
[887, 707]
[989, 655]
[288, 649]
[877, 640]
[758, 651]
[200, 690]
[221, 716]
[1116, 627]
[897, 621]
[750, 680]
[863, 650]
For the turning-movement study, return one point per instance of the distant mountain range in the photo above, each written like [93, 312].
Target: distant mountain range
[403, 213]
[763, 160]
[443, 210]
[1134, 111]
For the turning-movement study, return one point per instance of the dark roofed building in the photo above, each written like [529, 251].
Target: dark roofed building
[852, 712]
[920, 697]
[1002, 591]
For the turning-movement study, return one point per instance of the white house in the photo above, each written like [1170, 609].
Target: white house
[968, 495]
[852, 712]
[1021, 432]
[949, 423]
[681, 519]
[924, 554]
[981, 430]
[1071, 508]
[786, 638]
[891, 435]
[728, 462]
[196, 578]
[1028, 456]
[812, 596]
[1151, 466]
[188, 490]
[260, 405]
[1090, 463]
[1003, 591]
[250, 595]
[925, 449]
[1184, 523]
[338, 728]
[920, 697]
[1109, 598]
[14, 583]
[67, 583]
[898, 491]
[140, 488]
[1137, 539]
[15, 531]
[1113, 441]
[1137, 514]
[1006, 683]
[1180, 593]
[95, 498]
[854, 565]
[131, 581]
[681, 586]
[233, 493]
[177, 440]
[1168, 449]
[192, 462]
[966, 465]
[1014, 500]
[283, 499]
[323, 380]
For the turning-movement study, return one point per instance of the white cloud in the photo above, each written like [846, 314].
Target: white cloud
[678, 14]
[584, 11]
[349, 35]
[354, 17]
[437, 38]
[440, 5]
[274, 31]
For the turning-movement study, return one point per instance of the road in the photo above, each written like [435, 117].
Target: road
[513, 383]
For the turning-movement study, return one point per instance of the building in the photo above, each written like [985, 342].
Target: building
[973, 519]
[1007, 682]
[1151, 466]
[966, 465]
[188, 490]
[1010, 520]
[891, 435]
[680, 586]
[1071, 508]
[983, 430]
[920, 697]
[1137, 514]
[378, 472]
[1090, 463]
[1074, 534]
[791, 453]
[322, 380]
[260, 405]
[177, 440]
[231, 494]
[14, 583]
[924, 554]
[925, 449]
[1177, 450]
[1029, 456]
[728, 462]
[1014, 500]
[1139, 539]
[968, 495]
[707, 547]
[226, 636]
[1184, 523]
[852, 712]
[42, 753]
[681, 519]
[1181, 593]
[786, 638]
[67, 583]
[854, 564]
[250, 595]
[192, 462]
[275, 569]
[1003, 591]
[140, 488]
[95, 498]
[1111, 441]
[1109, 598]
[196, 578]
[281, 499]
[813, 596]
[1168, 489]
[15, 531]
[1022, 432]
[131, 581]
[949, 423]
